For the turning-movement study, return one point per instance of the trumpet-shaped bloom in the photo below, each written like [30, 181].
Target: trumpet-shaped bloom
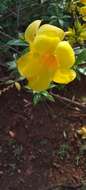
[51, 31]
[49, 59]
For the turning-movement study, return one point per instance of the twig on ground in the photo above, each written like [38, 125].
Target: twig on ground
[67, 100]
[65, 187]
[6, 35]
[10, 47]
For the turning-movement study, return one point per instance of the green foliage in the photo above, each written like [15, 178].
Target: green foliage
[80, 64]
[5, 5]
[15, 16]
[14, 74]
[57, 15]
[82, 70]
[11, 65]
[63, 151]
[17, 42]
[42, 96]
[81, 57]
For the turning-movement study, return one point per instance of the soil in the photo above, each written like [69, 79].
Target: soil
[40, 148]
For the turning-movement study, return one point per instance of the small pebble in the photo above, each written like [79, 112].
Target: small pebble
[19, 171]
[1, 172]
[12, 134]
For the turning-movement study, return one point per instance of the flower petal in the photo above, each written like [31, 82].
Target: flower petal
[51, 31]
[39, 82]
[64, 76]
[29, 64]
[43, 43]
[45, 73]
[39, 70]
[65, 55]
[31, 31]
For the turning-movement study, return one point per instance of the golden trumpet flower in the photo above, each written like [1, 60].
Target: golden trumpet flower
[49, 59]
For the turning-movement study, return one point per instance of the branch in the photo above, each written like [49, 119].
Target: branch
[6, 35]
[67, 100]
[55, 187]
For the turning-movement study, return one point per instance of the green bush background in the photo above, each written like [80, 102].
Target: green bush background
[15, 15]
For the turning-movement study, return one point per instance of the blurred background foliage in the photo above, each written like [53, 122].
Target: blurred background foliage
[15, 15]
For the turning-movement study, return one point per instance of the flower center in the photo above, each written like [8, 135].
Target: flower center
[50, 60]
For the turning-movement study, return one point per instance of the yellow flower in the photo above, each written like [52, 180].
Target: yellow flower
[31, 31]
[83, 12]
[83, 1]
[78, 35]
[82, 132]
[49, 59]
[83, 32]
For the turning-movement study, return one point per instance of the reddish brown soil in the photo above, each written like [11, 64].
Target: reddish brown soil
[32, 139]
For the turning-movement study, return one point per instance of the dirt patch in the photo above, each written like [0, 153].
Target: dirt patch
[39, 145]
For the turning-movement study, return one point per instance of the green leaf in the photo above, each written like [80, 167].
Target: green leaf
[11, 65]
[42, 96]
[51, 86]
[60, 86]
[37, 98]
[8, 82]
[51, 98]
[82, 70]
[81, 57]
[25, 50]
[48, 96]
[17, 42]
[77, 50]
[45, 93]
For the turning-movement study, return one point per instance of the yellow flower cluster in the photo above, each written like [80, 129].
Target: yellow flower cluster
[76, 35]
[83, 1]
[49, 59]
[83, 12]
[83, 9]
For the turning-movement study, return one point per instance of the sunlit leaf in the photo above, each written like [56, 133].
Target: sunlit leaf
[48, 96]
[37, 98]
[81, 57]
[17, 42]
[82, 70]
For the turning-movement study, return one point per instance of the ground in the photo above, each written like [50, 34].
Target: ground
[40, 148]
